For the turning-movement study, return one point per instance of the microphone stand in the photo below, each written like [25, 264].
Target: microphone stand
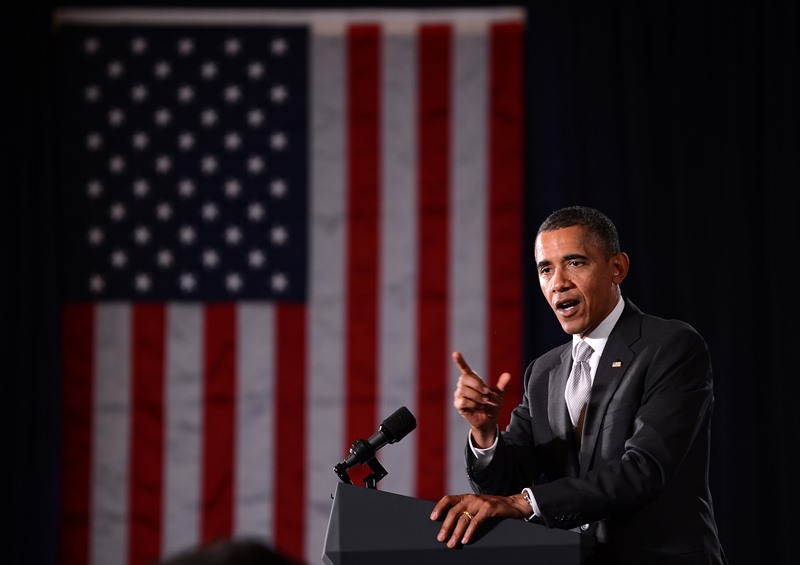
[364, 453]
[378, 472]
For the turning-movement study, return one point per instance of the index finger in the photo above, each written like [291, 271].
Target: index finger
[445, 503]
[462, 363]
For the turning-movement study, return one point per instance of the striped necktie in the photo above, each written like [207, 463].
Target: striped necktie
[579, 386]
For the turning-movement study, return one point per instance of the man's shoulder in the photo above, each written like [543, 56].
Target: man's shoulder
[654, 324]
[663, 334]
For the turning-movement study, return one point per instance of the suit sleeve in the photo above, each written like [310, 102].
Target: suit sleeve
[514, 463]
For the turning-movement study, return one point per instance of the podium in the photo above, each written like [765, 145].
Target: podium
[368, 526]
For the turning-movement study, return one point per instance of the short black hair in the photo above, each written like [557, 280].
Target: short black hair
[599, 227]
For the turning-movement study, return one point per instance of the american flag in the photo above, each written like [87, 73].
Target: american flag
[277, 227]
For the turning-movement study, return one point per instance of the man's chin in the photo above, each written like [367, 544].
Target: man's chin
[570, 326]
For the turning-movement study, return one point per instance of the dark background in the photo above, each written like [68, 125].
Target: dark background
[678, 119]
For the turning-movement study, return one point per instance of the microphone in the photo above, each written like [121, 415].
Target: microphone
[393, 429]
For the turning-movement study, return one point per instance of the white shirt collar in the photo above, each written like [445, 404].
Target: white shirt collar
[598, 338]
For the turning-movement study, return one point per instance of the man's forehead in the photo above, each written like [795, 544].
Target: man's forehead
[557, 244]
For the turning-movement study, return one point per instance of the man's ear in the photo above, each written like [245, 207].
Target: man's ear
[620, 263]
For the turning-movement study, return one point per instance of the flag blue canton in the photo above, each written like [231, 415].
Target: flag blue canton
[186, 163]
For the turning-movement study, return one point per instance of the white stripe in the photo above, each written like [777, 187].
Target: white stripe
[183, 426]
[254, 489]
[469, 211]
[397, 380]
[111, 435]
[326, 333]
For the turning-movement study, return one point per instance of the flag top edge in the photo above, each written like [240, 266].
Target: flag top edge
[321, 20]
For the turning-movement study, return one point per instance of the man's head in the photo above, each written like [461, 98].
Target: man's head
[580, 267]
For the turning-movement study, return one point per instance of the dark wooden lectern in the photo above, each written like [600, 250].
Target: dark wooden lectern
[368, 526]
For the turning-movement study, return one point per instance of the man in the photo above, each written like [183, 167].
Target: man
[617, 447]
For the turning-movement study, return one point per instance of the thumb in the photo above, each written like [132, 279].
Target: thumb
[503, 381]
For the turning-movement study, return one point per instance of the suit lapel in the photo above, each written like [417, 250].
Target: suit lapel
[558, 413]
[617, 357]
[612, 368]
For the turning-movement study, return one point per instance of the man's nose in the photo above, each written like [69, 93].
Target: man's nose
[561, 280]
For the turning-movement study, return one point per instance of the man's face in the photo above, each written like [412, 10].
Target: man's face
[578, 281]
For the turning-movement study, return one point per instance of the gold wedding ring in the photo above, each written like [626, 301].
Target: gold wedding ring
[468, 515]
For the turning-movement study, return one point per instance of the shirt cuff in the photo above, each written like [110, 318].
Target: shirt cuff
[483, 456]
[528, 494]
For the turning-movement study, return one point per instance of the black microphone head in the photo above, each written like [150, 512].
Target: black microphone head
[399, 424]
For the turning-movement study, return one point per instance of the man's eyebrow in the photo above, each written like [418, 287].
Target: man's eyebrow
[565, 258]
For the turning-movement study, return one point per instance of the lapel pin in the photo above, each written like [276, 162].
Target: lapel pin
[616, 364]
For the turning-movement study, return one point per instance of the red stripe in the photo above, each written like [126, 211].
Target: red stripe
[147, 433]
[218, 421]
[363, 87]
[435, 45]
[290, 468]
[77, 383]
[506, 204]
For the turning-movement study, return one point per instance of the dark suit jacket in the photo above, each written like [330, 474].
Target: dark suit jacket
[640, 482]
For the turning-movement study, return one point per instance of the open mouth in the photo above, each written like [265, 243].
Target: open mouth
[566, 306]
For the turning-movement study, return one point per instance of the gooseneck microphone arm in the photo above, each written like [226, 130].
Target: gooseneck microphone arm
[393, 429]
[364, 450]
